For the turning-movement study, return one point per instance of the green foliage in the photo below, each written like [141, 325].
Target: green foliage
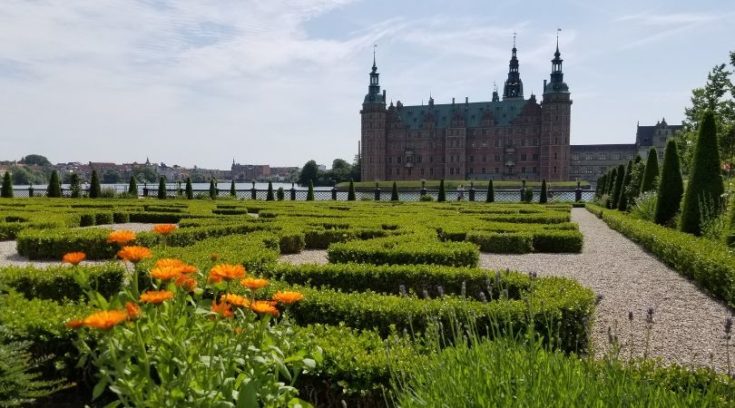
[133, 187]
[644, 207]
[280, 194]
[94, 185]
[705, 182]
[623, 199]
[162, 188]
[63, 282]
[310, 192]
[651, 173]
[7, 187]
[618, 189]
[502, 242]
[636, 179]
[708, 263]
[54, 185]
[426, 198]
[189, 192]
[212, 189]
[233, 191]
[670, 187]
[270, 196]
[53, 244]
[400, 251]
[442, 192]
[309, 173]
[543, 199]
[394, 192]
[35, 160]
[490, 198]
[351, 192]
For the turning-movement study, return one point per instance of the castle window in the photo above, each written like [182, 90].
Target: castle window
[389, 171]
[554, 169]
[496, 170]
[575, 157]
[431, 171]
[483, 170]
[535, 156]
[398, 171]
[472, 158]
[471, 170]
[523, 142]
[389, 159]
[484, 159]
[556, 156]
[422, 171]
[523, 169]
[398, 159]
[523, 156]
[534, 170]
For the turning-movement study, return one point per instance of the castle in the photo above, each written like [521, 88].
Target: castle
[509, 138]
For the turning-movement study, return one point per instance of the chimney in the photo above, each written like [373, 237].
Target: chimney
[466, 99]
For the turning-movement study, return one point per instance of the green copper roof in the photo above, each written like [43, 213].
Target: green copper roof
[503, 113]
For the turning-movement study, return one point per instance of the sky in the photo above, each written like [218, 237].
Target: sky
[280, 82]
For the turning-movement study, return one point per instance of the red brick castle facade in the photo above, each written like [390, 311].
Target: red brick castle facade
[513, 138]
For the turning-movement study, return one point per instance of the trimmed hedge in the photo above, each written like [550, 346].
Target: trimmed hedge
[405, 250]
[706, 262]
[504, 243]
[10, 230]
[53, 244]
[61, 282]
[551, 241]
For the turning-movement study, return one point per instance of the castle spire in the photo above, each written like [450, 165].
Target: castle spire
[513, 85]
[374, 95]
[557, 75]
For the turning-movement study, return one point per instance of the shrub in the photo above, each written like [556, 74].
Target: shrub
[670, 187]
[61, 282]
[7, 188]
[280, 194]
[133, 187]
[705, 181]
[651, 172]
[120, 217]
[108, 192]
[442, 192]
[310, 192]
[623, 198]
[551, 241]
[490, 198]
[53, 244]
[426, 198]
[351, 191]
[75, 187]
[610, 190]
[291, 242]
[212, 190]
[394, 192]
[644, 207]
[162, 188]
[543, 196]
[503, 243]
[404, 250]
[94, 185]
[87, 220]
[103, 218]
[54, 185]
[233, 192]
[188, 190]
[269, 195]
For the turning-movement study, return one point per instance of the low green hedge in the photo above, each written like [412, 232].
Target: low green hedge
[189, 236]
[10, 230]
[558, 241]
[412, 278]
[503, 243]
[709, 263]
[230, 211]
[407, 249]
[53, 244]
[60, 282]
[155, 218]
[291, 242]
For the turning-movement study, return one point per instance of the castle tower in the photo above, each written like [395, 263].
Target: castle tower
[513, 85]
[555, 124]
[373, 131]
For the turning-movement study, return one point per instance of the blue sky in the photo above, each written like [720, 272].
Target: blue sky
[281, 82]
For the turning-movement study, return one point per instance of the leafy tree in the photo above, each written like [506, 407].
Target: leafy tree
[23, 175]
[111, 177]
[75, 186]
[351, 192]
[269, 195]
[619, 177]
[54, 185]
[704, 187]
[280, 194]
[189, 190]
[490, 198]
[670, 187]
[30, 191]
[94, 186]
[636, 179]
[309, 173]
[310, 192]
[212, 189]
[543, 199]
[442, 192]
[355, 172]
[162, 188]
[623, 198]
[394, 192]
[651, 172]
[133, 187]
[610, 188]
[233, 191]
[341, 170]
[7, 188]
[35, 160]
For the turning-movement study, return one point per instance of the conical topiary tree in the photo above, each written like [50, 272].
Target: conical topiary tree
[94, 185]
[161, 188]
[7, 189]
[351, 192]
[702, 197]
[212, 189]
[651, 173]
[490, 198]
[133, 187]
[189, 191]
[670, 187]
[543, 199]
[394, 192]
[75, 186]
[269, 195]
[54, 186]
[310, 191]
[610, 187]
[634, 188]
[233, 191]
[280, 194]
[442, 192]
[623, 199]
[619, 177]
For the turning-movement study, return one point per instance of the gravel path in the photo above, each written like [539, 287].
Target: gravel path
[306, 257]
[688, 325]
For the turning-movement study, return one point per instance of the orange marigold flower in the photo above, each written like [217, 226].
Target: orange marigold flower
[74, 323]
[74, 258]
[253, 283]
[221, 272]
[105, 319]
[164, 229]
[186, 268]
[223, 309]
[288, 298]
[133, 310]
[168, 262]
[186, 282]
[134, 254]
[156, 296]
[121, 237]
[235, 300]
[166, 272]
[264, 307]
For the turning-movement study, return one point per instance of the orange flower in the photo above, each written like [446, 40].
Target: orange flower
[121, 237]
[74, 324]
[223, 309]
[186, 268]
[288, 298]
[186, 282]
[235, 300]
[166, 272]
[156, 296]
[133, 310]
[134, 254]
[254, 284]
[264, 307]
[74, 258]
[168, 262]
[221, 272]
[164, 229]
[105, 319]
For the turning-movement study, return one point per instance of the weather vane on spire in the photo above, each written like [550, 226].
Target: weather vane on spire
[558, 30]
[514, 39]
